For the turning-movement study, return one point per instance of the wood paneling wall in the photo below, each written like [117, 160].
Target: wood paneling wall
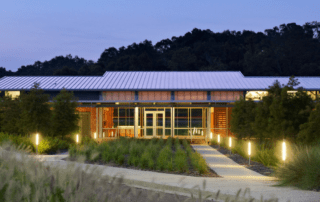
[92, 111]
[154, 95]
[118, 95]
[226, 95]
[220, 122]
[190, 95]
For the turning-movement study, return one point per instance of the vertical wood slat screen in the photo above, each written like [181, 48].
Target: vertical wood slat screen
[190, 95]
[220, 121]
[154, 95]
[226, 95]
[118, 95]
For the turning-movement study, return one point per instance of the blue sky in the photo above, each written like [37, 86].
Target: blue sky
[32, 30]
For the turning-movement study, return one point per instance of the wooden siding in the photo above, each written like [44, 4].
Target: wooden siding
[190, 95]
[154, 95]
[92, 111]
[226, 95]
[220, 122]
[117, 95]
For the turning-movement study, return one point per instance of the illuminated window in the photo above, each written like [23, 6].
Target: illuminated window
[13, 94]
[256, 95]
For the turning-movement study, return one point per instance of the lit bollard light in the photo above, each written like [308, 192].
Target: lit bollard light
[230, 143]
[77, 139]
[284, 151]
[219, 141]
[211, 135]
[249, 151]
[37, 141]
[95, 135]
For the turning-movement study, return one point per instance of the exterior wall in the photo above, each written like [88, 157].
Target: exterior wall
[117, 95]
[190, 95]
[226, 95]
[154, 95]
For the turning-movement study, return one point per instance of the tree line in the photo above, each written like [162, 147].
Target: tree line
[285, 50]
[280, 115]
[32, 113]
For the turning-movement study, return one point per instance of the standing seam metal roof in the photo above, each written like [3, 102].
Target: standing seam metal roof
[208, 80]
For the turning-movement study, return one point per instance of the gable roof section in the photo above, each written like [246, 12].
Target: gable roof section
[138, 80]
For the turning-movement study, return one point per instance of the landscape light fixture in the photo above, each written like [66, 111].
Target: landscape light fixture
[77, 138]
[230, 143]
[284, 151]
[37, 141]
[211, 135]
[249, 150]
[95, 135]
[219, 140]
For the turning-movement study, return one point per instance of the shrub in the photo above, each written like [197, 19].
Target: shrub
[163, 158]
[302, 169]
[199, 163]
[180, 161]
[17, 140]
[146, 160]
[44, 146]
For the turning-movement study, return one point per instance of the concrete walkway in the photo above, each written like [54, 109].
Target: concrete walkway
[226, 167]
[229, 184]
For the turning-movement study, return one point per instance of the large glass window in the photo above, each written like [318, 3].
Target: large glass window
[123, 117]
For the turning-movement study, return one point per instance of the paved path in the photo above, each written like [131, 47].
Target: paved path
[226, 167]
[229, 184]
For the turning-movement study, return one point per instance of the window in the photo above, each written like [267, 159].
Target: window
[13, 94]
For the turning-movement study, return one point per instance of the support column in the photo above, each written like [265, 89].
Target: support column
[136, 121]
[172, 121]
[208, 123]
[100, 122]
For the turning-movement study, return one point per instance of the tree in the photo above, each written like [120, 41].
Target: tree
[65, 71]
[35, 111]
[242, 118]
[288, 111]
[310, 131]
[64, 119]
[10, 112]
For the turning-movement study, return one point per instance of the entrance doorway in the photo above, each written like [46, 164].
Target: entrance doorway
[154, 123]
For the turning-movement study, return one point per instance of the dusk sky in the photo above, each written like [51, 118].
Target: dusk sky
[32, 30]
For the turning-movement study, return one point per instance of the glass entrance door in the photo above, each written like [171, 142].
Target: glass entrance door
[154, 123]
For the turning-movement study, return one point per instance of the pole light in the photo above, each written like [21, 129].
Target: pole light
[211, 135]
[37, 141]
[77, 138]
[284, 151]
[219, 141]
[249, 151]
[95, 135]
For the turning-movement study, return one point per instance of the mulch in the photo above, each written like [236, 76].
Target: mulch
[255, 166]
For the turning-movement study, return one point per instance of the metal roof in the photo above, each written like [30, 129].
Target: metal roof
[138, 80]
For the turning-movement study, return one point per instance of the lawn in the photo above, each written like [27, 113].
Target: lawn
[170, 155]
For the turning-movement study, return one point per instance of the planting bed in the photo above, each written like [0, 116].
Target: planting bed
[167, 156]
[255, 166]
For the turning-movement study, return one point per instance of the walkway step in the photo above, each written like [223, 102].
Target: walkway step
[225, 166]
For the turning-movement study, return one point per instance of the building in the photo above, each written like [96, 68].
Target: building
[155, 104]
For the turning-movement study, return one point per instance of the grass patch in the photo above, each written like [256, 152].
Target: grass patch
[301, 169]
